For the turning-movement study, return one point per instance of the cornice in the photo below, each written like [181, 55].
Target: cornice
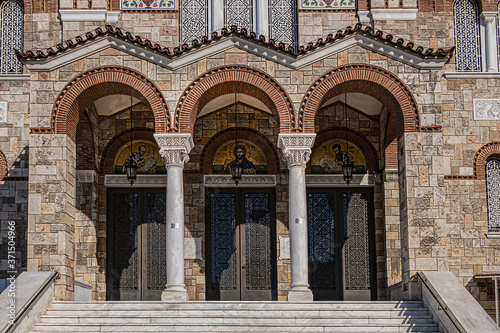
[109, 36]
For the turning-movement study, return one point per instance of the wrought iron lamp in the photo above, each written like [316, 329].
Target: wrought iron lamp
[347, 163]
[237, 169]
[131, 167]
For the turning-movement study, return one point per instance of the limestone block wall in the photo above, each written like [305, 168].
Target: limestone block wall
[51, 209]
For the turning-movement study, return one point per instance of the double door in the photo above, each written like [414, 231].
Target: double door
[341, 244]
[136, 247]
[240, 244]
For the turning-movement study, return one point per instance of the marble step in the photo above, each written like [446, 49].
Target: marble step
[233, 328]
[233, 320]
[238, 305]
[113, 312]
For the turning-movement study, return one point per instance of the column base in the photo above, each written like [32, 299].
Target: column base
[301, 295]
[174, 296]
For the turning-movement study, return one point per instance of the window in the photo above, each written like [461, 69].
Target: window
[493, 192]
[12, 18]
[467, 36]
[194, 20]
[201, 17]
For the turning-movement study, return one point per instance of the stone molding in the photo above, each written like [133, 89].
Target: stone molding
[141, 181]
[487, 109]
[395, 14]
[85, 176]
[391, 175]
[338, 180]
[15, 77]
[246, 181]
[296, 148]
[174, 148]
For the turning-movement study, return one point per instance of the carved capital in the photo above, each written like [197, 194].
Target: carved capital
[296, 148]
[174, 157]
[174, 148]
[489, 17]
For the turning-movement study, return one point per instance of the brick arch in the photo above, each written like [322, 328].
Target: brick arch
[366, 147]
[257, 138]
[482, 155]
[117, 142]
[371, 80]
[189, 102]
[91, 85]
[4, 169]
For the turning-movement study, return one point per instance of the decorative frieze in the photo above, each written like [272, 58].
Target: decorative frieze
[338, 180]
[148, 4]
[141, 181]
[487, 109]
[246, 181]
[296, 148]
[327, 4]
[85, 176]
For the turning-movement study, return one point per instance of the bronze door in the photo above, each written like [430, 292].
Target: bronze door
[341, 244]
[240, 251]
[136, 266]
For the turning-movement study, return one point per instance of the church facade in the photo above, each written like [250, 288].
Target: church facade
[406, 93]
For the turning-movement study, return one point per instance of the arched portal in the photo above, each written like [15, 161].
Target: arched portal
[96, 83]
[228, 80]
[370, 80]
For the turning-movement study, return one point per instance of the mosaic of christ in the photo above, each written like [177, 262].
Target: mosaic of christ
[250, 157]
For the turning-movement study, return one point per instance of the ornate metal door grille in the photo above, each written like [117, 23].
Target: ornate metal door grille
[136, 262]
[493, 188]
[12, 17]
[340, 224]
[240, 227]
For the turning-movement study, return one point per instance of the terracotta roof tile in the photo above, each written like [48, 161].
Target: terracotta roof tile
[233, 31]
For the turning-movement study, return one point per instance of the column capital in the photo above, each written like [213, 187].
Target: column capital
[296, 147]
[174, 148]
[489, 17]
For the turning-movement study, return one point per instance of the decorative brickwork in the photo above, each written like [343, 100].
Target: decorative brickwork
[486, 151]
[391, 145]
[188, 106]
[258, 139]
[103, 81]
[373, 81]
[367, 149]
[3, 166]
[117, 142]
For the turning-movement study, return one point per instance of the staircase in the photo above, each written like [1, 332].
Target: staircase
[237, 317]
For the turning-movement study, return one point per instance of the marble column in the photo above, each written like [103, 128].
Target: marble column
[174, 149]
[296, 149]
[489, 19]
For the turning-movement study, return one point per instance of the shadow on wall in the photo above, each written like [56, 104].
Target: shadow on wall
[483, 290]
[14, 217]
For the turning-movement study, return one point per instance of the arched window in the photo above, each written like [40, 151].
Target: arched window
[467, 53]
[12, 18]
[493, 192]
[276, 19]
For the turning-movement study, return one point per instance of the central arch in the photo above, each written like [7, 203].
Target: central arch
[219, 79]
[91, 85]
[371, 80]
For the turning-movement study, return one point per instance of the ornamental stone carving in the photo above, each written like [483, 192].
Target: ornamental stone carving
[296, 148]
[174, 148]
[487, 109]
[85, 176]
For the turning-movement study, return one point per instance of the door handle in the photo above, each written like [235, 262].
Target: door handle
[244, 267]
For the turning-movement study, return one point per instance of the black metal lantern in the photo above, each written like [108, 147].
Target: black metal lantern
[236, 172]
[347, 168]
[131, 172]
[131, 167]
[347, 163]
[237, 169]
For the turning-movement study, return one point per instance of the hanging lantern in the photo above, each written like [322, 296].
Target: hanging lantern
[131, 169]
[347, 168]
[236, 172]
